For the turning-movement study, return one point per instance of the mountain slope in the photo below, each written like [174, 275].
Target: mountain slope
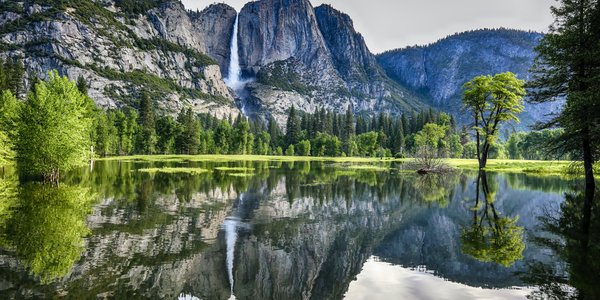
[438, 71]
[119, 51]
[299, 57]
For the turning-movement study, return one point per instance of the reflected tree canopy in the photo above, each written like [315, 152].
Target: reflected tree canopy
[491, 237]
[576, 241]
[46, 228]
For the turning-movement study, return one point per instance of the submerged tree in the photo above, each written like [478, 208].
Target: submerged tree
[492, 100]
[52, 129]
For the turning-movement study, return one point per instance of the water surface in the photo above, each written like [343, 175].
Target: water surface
[283, 230]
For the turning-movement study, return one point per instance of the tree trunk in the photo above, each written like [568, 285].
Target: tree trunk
[590, 184]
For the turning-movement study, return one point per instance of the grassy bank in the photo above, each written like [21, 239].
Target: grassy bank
[513, 166]
[229, 158]
[494, 165]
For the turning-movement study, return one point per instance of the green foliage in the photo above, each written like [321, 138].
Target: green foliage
[188, 140]
[491, 238]
[46, 230]
[136, 7]
[303, 148]
[8, 115]
[290, 151]
[491, 102]
[146, 143]
[53, 129]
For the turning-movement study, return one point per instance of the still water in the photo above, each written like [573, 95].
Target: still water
[302, 230]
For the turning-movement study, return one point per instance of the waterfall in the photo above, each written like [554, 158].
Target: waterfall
[234, 78]
[230, 240]
[231, 226]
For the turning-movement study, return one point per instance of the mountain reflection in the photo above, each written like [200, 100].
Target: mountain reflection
[303, 230]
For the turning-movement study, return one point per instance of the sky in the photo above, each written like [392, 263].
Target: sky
[391, 24]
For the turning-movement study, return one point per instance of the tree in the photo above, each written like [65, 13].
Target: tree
[146, 143]
[290, 151]
[292, 135]
[188, 138]
[241, 135]
[303, 148]
[427, 142]
[8, 114]
[167, 130]
[53, 129]
[491, 102]
[568, 66]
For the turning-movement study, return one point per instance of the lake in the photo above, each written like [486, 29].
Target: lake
[292, 230]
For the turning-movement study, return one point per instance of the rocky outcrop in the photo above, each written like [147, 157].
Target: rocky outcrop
[438, 71]
[120, 54]
[215, 26]
[290, 47]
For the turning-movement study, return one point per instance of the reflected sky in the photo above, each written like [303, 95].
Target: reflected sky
[381, 280]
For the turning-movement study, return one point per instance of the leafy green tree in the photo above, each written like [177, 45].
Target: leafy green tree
[367, 143]
[53, 129]
[105, 136]
[326, 145]
[290, 151]
[427, 143]
[303, 148]
[491, 102]
[8, 115]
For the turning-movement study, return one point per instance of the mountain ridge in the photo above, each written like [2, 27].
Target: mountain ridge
[290, 52]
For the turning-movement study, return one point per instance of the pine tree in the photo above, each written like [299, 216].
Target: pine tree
[568, 65]
[293, 129]
[146, 143]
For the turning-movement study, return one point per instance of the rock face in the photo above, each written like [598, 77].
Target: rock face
[290, 52]
[438, 71]
[315, 57]
[120, 53]
[215, 25]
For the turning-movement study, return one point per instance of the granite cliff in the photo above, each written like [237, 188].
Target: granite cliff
[438, 71]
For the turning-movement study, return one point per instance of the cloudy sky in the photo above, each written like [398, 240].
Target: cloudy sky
[389, 24]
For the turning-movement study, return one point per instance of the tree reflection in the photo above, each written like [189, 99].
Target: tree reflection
[491, 237]
[575, 240]
[436, 188]
[46, 228]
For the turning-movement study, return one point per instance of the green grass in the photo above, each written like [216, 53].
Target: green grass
[191, 171]
[241, 174]
[368, 168]
[230, 158]
[513, 166]
[364, 163]
[239, 169]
